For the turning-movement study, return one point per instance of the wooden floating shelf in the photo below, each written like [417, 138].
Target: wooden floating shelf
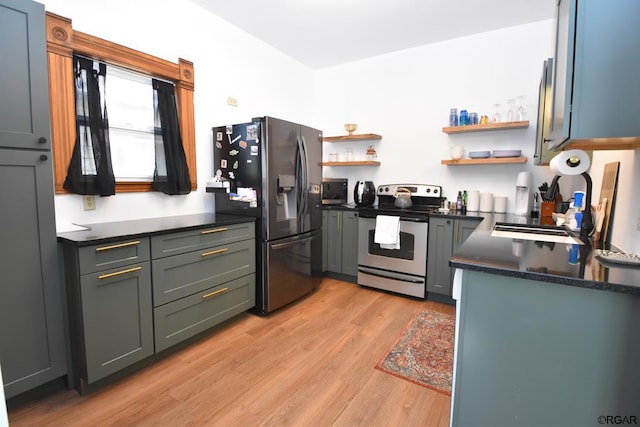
[359, 163]
[489, 161]
[488, 126]
[354, 137]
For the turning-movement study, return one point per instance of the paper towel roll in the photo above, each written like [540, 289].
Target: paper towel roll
[570, 162]
[473, 200]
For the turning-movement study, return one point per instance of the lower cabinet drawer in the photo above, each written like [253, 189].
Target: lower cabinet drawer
[186, 317]
[182, 275]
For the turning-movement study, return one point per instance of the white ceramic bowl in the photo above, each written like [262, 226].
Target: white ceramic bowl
[479, 154]
[507, 153]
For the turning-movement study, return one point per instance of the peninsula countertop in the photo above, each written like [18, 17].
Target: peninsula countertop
[541, 261]
[112, 231]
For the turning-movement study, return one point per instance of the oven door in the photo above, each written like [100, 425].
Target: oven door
[397, 270]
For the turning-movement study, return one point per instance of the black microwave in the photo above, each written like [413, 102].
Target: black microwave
[334, 191]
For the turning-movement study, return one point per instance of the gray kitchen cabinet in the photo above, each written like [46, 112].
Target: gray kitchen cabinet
[342, 242]
[32, 344]
[524, 346]
[24, 90]
[594, 103]
[110, 308]
[185, 317]
[133, 298]
[445, 237]
[195, 290]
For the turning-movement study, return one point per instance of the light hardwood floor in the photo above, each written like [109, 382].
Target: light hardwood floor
[309, 364]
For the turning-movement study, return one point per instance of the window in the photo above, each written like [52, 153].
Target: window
[128, 65]
[129, 98]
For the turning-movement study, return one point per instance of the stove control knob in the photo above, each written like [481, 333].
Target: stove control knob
[435, 191]
[428, 190]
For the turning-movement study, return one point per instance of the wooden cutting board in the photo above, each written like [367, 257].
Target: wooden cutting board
[608, 191]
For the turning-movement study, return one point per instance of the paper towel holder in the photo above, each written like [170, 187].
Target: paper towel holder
[572, 159]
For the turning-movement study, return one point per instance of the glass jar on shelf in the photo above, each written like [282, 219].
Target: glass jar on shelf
[496, 117]
[371, 153]
[511, 110]
[453, 117]
[521, 114]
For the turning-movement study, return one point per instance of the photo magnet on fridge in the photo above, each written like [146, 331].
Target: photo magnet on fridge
[252, 133]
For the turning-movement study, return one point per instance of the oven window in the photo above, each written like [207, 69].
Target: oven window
[406, 251]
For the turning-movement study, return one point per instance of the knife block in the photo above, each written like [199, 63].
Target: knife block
[547, 209]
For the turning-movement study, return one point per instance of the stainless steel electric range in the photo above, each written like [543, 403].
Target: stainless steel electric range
[400, 269]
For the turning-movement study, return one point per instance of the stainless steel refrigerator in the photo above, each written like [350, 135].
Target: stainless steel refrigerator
[270, 169]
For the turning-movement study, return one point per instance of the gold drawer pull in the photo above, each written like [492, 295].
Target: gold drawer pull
[217, 251]
[215, 230]
[121, 245]
[214, 293]
[117, 273]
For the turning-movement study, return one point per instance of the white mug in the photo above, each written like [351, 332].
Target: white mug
[500, 204]
[457, 152]
[473, 200]
[486, 202]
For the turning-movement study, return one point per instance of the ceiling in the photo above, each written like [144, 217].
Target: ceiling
[323, 33]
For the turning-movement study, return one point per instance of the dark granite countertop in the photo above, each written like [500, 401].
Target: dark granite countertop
[112, 231]
[542, 261]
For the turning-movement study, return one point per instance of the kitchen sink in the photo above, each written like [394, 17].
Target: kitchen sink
[542, 233]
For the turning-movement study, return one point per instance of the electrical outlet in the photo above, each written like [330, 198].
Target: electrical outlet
[89, 203]
[232, 101]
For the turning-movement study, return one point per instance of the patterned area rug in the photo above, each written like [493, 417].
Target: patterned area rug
[424, 352]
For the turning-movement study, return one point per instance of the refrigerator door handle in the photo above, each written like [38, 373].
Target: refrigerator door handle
[302, 180]
[277, 246]
[305, 169]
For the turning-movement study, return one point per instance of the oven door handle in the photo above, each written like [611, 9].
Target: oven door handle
[406, 219]
[371, 273]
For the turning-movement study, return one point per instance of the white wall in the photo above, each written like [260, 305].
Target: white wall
[406, 97]
[227, 61]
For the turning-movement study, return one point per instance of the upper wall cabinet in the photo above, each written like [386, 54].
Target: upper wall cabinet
[596, 67]
[24, 114]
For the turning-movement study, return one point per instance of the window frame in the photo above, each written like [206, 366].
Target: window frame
[62, 42]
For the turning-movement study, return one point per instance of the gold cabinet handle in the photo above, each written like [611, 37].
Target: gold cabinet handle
[457, 230]
[120, 245]
[214, 293]
[118, 273]
[215, 230]
[217, 251]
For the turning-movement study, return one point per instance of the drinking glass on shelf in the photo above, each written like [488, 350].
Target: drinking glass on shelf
[522, 112]
[511, 112]
[496, 117]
